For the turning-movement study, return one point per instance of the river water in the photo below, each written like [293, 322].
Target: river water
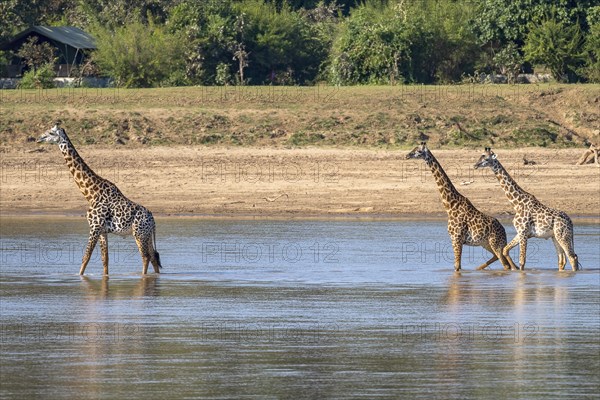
[293, 309]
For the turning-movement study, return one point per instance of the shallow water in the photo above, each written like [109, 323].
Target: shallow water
[293, 309]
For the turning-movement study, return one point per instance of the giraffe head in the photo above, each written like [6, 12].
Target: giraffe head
[487, 159]
[421, 151]
[56, 135]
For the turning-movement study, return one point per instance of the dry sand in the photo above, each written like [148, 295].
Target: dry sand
[292, 183]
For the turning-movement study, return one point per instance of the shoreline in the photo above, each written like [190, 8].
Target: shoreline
[434, 217]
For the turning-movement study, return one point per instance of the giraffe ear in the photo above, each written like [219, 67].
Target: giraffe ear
[493, 156]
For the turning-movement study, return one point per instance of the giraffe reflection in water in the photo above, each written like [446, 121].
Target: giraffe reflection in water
[146, 287]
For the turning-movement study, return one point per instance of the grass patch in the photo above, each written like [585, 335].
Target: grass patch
[303, 138]
[210, 139]
[365, 116]
[499, 119]
[538, 136]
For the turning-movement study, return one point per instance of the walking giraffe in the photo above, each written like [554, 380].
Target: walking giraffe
[109, 210]
[466, 224]
[532, 218]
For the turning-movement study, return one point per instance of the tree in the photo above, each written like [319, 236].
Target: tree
[499, 22]
[36, 55]
[238, 48]
[591, 70]
[555, 45]
[116, 13]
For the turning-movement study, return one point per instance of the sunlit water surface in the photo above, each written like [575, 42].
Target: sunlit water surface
[293, 309]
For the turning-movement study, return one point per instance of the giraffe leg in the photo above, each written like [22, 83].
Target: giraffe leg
[488, 262]
[562, 260]
[563, 235]
[495, 246]
[94, 235]
[574, 260]
[143, 242]
[154, 257]
[567, 247]
[522, 252]
[491, 260]
[457, 246]
[509, 246]
[104, 248]
[143, 247]
[505, 260]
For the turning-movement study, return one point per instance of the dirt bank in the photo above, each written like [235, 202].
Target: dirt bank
[312, 182]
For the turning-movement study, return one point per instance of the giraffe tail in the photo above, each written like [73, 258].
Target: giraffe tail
[156, 255]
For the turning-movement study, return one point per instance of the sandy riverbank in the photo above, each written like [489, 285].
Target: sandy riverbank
[260, 182]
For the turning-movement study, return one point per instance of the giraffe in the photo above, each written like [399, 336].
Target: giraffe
[466, 224]
[109, 210]
[532, 218]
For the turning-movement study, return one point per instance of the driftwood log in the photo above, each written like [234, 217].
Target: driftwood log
[590, 156]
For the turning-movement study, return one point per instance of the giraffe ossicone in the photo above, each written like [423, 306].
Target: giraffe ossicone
[532, 218]
[109, 210]
[466, 224]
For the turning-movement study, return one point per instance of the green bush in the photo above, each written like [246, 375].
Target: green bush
[208, 31]
[223, 76]
[42, 78]
[283, 46]
[265, 42]
[372, 46]
[556, 45]
[385, 42]
[143, 43]
[136, 55]
[591, 70]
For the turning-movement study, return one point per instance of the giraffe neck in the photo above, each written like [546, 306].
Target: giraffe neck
[86, 179]
[447, 190]
[513, 191]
